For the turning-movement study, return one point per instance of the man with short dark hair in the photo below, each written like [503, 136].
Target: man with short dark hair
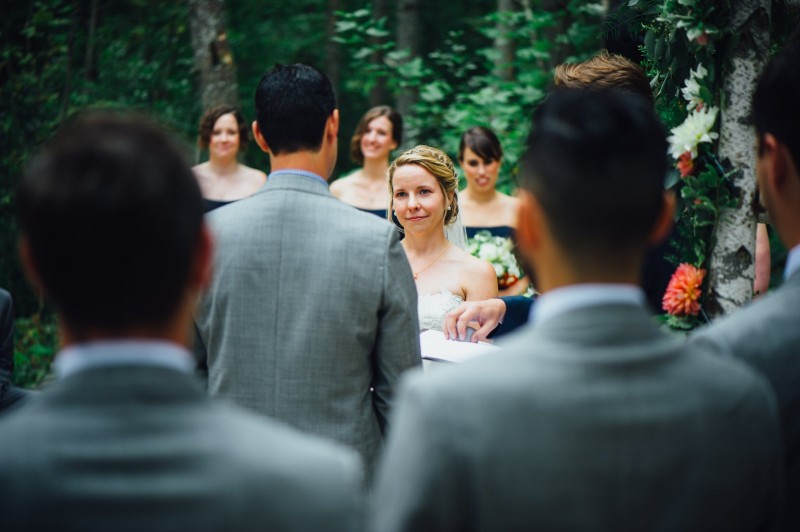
[592, 418]
[766, 334]
[312, 315]
[112, 233]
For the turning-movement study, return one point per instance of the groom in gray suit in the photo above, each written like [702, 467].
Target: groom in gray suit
[766, 334]
[312, 313]
[592, 418]
[126, 439]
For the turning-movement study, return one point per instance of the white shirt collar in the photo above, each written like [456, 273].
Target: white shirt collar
[108, 353]
[792, 262]
[569, 298]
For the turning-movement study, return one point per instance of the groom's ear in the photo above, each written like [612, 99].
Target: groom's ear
[260, 138]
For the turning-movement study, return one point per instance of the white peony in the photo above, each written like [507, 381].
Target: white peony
[691, 88]
[488, 251]
[694, 130]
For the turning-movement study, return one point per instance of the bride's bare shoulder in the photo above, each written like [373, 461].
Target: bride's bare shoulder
[477, 278]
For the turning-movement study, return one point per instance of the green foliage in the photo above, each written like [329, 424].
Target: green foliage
[142, 60]
[35, 346]
[458, 87]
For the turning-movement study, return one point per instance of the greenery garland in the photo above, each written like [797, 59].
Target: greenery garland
[681, 46]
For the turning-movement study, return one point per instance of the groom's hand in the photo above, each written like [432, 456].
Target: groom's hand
[486, 314]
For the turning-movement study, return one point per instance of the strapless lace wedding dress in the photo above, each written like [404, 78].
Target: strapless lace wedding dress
[432, 308]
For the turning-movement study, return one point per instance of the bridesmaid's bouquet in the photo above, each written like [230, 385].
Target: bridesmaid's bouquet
[499, 252]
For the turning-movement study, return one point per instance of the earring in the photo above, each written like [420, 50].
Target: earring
[449, 207]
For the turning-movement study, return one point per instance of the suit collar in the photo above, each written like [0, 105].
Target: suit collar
[292, 181]
[792, 263]
[127, 352]
[125, 385]
[562, 300]
[608, 333]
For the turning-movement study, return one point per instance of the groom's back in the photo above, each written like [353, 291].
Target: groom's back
[312, 314]
[311, 307]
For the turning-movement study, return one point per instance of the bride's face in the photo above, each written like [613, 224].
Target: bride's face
[418, 199]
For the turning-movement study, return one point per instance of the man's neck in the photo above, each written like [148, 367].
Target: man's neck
[314, 162]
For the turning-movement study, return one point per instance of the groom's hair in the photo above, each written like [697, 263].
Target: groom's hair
[112, 215]
[293, 103]
[776, 107]
[595, 162]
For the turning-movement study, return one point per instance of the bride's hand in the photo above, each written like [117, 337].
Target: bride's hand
[487, 314]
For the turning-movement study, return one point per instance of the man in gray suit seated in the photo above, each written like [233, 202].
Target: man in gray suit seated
[126, 439]
[592, 418]
[312, 314]
[766, 334]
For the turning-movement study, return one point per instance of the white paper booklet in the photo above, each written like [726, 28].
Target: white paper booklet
[436, 347]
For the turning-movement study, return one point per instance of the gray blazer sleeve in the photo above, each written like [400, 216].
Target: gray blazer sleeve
[397, 341]
[421, 482]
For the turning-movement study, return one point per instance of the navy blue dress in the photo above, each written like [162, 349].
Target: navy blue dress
[499, 230]
[211, 204]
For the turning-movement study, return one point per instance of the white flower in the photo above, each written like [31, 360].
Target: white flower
[499, 270]
[489, 252]
[694, 130]
[691, 89]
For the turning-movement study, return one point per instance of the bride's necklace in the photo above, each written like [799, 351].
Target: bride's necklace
[416, 274]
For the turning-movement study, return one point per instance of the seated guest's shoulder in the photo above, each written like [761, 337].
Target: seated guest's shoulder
[263, 456]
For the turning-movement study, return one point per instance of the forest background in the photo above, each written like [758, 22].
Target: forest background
[445, 66]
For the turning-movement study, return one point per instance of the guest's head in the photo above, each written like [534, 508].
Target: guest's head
[378, 132]
[591, 181]
[112, 230]
[296, 112]
[223, 121]
[480, 156]
[423, 178]
[604, 71]
[776, 113]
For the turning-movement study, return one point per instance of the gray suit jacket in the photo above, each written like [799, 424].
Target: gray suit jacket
[134, 448]
[312, 305]
[766, 335]
[593, 420]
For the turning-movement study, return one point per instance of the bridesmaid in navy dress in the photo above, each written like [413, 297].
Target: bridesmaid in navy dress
[379, 132]
[223, 179]
[483, 207]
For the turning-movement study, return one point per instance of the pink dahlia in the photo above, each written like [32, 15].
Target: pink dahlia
[683, 291]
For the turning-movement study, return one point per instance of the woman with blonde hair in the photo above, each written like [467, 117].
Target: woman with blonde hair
[423, 185]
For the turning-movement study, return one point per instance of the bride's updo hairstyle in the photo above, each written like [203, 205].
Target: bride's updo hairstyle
[438, 164]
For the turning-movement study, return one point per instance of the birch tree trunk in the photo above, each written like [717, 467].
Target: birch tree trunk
[408, 38]
[732, 265]
[212, 53]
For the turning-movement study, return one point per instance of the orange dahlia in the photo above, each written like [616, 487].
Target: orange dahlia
[683, 291]
[685, 164]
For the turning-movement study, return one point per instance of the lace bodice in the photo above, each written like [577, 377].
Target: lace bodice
[433, 307]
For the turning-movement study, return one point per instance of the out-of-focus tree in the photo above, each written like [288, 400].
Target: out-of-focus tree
[213, 57]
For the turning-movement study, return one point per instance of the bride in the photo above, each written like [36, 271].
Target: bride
[422, 189]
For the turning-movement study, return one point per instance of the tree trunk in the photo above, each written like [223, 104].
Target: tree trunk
[333, 58]
[503, 46]
[212, 54]
[89, 66]
[379, 94]
[732, 266]
[67, 90]
[408, 38]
